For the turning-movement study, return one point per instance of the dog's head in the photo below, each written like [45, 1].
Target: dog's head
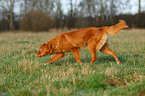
[45, 49]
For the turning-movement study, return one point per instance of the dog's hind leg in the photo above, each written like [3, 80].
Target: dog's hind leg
[76, 54]
[105, 49]
[56, 58]
[92, 49]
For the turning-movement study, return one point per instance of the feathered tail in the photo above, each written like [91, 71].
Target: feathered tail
[114, 29]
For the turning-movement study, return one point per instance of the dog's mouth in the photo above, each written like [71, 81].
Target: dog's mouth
[38, 55]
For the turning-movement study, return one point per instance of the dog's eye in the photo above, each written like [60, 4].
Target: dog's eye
[48, 51]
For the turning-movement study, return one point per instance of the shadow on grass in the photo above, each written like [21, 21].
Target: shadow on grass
[100, 59]
[122, 59]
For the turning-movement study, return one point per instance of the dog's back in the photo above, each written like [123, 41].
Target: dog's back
[79, 38]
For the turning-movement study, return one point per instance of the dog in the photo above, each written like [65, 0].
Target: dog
[95, 38]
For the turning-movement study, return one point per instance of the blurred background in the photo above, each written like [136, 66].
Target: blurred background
[43, 15]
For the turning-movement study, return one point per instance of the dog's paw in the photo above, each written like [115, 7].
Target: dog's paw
[118, 62]
[45, 63]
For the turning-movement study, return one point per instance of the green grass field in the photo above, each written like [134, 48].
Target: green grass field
[23, 74]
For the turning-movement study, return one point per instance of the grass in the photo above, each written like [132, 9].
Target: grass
[23, 74]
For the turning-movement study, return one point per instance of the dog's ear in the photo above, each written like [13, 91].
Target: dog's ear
[49, 48]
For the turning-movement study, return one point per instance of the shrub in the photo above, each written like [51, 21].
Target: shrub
[36, 21]
[4, 25]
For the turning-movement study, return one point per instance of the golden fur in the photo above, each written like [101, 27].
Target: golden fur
[95, 38]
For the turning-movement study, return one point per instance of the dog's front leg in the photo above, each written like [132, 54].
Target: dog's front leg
[92, 49]
[76, 54]
[55, 58]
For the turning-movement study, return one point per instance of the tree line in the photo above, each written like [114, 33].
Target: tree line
[42, 15]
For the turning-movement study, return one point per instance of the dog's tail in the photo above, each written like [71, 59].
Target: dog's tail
[117, 27]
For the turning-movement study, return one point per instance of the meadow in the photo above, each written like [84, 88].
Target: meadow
[24, 74]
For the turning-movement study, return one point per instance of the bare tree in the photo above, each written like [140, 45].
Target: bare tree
[89, 10]
[139, 12]
[102, 9]
[8, 5]
[49, 7]
[59, 14]
[139, 6]
[71, 14]
[46, 6]
[26, 3]
[112, 10]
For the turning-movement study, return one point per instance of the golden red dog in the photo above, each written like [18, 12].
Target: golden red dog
[95, 38]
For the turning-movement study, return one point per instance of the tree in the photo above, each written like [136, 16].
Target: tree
[102, 9]
[59, 14]
[139, 12]
[71, 15]
[139, 6]
[88, 9]
[112, 10]
[8, 5]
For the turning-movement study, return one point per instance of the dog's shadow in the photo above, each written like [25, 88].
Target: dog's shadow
[100, 59]
[108, 58]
